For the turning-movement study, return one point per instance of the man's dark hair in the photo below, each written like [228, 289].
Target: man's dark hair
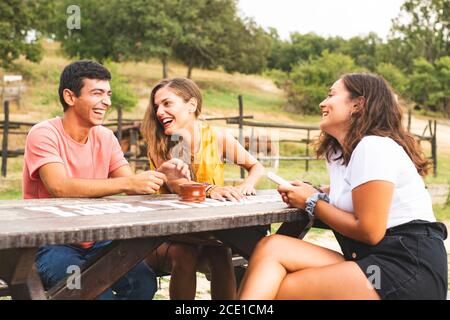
[73, 75]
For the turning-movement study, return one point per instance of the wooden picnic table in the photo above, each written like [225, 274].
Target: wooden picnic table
[136, 224]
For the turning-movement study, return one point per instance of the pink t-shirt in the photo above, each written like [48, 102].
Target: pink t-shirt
[47, 142]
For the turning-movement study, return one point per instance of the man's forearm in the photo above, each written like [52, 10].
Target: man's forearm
[89, 188]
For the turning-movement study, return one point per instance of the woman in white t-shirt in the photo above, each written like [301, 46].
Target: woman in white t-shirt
[377, 205]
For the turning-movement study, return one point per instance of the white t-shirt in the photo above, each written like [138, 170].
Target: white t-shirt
[381, 158]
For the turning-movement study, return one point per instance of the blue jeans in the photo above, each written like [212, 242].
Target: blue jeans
[53, 262]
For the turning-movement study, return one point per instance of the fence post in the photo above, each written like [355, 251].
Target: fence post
[434, 148]
[5, 138]
[119, 123]
[307, 149]
[133, 149]
[241, 130]
[409, 120]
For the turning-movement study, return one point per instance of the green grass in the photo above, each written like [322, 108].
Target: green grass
[443, 171]
[442, 212]
[11, 194]
[225, 98]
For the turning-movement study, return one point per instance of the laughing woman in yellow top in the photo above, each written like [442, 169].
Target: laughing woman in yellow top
[172, 130]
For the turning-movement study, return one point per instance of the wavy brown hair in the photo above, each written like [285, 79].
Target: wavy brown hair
[158, 143]
[381, 115]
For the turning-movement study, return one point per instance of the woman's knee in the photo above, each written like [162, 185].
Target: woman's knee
[270, 245]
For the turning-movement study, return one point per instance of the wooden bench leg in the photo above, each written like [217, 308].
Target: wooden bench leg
[18, 270]
[119, 258]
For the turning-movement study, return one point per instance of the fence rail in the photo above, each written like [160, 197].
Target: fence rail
[130, 128]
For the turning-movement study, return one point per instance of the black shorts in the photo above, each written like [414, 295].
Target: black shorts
[409, 263]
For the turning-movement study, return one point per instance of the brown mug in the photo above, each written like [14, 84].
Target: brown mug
[192, 192]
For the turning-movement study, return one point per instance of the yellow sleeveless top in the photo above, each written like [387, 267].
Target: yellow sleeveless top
[207, 165]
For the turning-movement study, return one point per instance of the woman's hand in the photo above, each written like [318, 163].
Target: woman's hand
[246, 189]
[175, 169]
[295, 196]
[226, 193]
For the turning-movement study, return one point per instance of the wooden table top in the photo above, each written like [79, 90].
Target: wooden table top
[33, 223]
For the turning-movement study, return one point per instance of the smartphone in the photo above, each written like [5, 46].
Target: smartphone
[277, 179]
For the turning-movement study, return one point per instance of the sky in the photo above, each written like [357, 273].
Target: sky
[345, 18]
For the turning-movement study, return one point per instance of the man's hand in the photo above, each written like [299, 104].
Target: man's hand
[147, 182]
[175, 169]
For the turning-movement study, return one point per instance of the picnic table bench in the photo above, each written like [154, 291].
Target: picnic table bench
[135, 224]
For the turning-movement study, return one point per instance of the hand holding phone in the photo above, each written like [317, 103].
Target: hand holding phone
[277, 179]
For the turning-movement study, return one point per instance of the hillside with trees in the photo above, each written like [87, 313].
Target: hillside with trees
[212, 34]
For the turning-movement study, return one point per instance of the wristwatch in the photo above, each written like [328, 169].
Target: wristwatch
[310, 203]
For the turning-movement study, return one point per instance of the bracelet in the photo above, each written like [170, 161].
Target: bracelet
[310, 203]
[208, 190]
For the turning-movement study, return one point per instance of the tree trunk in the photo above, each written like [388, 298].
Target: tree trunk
[165, 63]
[446, 107]
[190, 67]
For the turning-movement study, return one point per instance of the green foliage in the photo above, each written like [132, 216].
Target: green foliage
[423, 27]
[122, 94]
[309, 81]
[249, 47]
[117, 30]
[363, 50]
[394, 76]
[301, 47]
[92, 40]
[429, 84]
[205, 27]
[21, 28]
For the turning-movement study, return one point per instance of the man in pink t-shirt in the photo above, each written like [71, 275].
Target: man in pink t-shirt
[74, 156]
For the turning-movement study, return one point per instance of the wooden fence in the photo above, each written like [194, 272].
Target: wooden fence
[128, 131]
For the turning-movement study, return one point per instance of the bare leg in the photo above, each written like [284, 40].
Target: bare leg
[180, 260]
[274, 257]
[344, 280]
[223, 281]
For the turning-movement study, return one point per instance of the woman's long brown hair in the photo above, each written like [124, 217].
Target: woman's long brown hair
[158, 143]
[381, 115]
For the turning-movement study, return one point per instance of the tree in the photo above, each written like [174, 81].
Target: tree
[423, 26]
[112, 29]
[204, 30]
[248, 47]
[442, 97]
[309, 81]
[301, 47]
[94, 37]
[423, 82]
[364, 50]
[394, 76]
[22, 24]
